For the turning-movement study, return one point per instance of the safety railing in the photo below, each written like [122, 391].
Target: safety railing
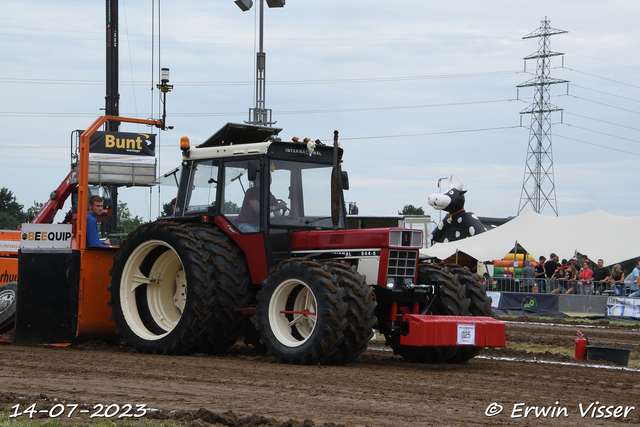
[542, 286]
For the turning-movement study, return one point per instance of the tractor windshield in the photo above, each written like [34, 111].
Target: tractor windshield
[305, 188]
[299, 195]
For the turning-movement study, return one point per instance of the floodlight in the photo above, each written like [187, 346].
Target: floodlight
[245, 4]
[275, 3]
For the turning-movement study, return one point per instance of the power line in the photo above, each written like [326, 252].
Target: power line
[426, 134]
[603, 133]
[607, 93]
[602, 103]
[271, 82]
[597, 145]
[603, 78]
[601, 121]
[292, 112]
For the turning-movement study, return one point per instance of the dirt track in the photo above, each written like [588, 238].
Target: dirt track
[378, 389]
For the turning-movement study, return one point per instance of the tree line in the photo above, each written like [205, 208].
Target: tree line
[12, 213]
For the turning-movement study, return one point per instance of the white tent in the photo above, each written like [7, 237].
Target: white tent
[596, 234]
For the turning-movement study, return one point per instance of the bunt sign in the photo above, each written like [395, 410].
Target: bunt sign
[122, 147]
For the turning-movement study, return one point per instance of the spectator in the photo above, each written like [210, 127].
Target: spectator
[528, 276]
[558, 278]
[617, 278]
[585, 258]
[574, 262]
[551, 265]
[96, 204]
[571, 279]
[601, 278]
[550, 268]
[586, 273]
[635, 281]
[540, 274]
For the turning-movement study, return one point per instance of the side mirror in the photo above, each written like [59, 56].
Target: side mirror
[252, 172]
[345, 180]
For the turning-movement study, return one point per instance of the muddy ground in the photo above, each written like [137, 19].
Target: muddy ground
[248, 388]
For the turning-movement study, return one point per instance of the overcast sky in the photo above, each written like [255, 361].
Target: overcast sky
[419, 91]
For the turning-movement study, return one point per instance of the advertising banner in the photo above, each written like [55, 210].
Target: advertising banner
[46, 237]
[123, 147]
[623, 307]
[537, 302]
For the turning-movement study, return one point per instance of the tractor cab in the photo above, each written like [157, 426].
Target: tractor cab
[260, 188]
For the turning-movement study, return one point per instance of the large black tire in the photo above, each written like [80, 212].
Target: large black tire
[233, 286]
[361, 318]
[174, 289]
[480, 305]
[476, 291]
[8, 293]
[455, 302]
[301, 312]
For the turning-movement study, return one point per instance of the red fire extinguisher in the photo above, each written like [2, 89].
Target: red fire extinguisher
[581, 346]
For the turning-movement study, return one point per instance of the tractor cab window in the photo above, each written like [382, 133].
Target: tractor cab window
[203, 186]
[306, 190]
[241, 197]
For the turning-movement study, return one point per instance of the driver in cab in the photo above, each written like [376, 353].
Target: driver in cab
[249, 216]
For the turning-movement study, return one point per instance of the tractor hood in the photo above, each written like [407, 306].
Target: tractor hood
[356, 239]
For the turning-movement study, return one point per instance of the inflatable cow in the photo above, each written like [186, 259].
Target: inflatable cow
[458, 224]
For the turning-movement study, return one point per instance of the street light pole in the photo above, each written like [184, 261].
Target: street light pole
[260, 115]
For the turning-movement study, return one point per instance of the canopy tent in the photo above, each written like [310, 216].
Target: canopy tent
[596, 234]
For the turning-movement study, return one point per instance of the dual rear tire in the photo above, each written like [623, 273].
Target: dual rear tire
[175, 288]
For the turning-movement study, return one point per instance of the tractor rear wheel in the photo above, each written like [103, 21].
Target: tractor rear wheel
[480, 305]
[301, 312]
[360, 312]
[174, 289]
[8, 293]
[455, 302]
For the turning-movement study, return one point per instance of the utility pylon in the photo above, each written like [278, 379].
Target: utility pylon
[538, 186]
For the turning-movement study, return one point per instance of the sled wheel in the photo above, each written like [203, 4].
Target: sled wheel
[456, 303]
[480, 305]
[361, 305]
[167, 290]
[301, 312]
[8, 293]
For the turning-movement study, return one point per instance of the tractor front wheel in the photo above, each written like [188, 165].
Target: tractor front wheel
[301, 312]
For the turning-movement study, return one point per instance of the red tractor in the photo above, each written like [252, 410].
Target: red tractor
[258, 247]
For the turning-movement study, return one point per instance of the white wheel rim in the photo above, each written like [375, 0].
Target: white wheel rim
[166, 289]
[6, 299]
[293, 324]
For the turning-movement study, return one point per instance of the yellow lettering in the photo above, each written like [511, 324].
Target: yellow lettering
[31, 235]
[139, 141]
[120, 143]
[110, 141]
[131, 143]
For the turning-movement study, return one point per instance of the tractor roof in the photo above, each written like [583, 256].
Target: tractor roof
[235, 133]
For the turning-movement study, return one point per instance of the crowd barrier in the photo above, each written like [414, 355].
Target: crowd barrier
[547, 286]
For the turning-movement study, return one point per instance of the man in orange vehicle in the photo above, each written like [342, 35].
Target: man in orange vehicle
[96, 205]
